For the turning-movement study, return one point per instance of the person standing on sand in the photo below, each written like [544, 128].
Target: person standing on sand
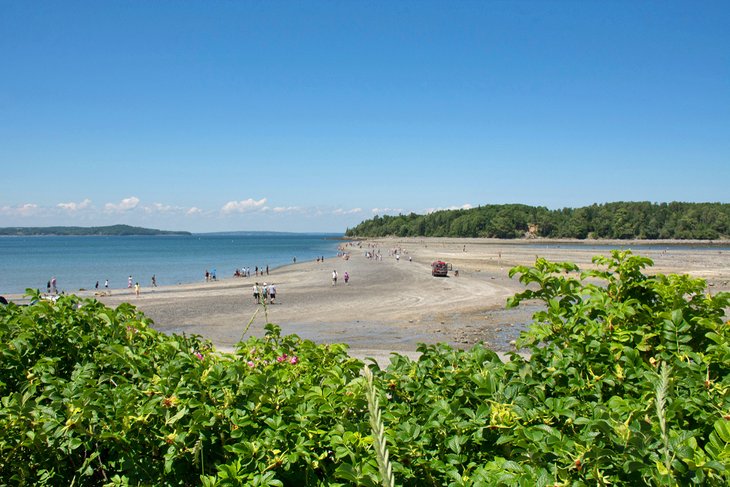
[136, 288]
[346, 277]
[129, 282]
[154, 280]
[54, 289]
[334, 277]
[256, 293]
[272, 293]
[106, 283]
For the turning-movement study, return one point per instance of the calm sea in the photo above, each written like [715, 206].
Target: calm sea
[79, 262]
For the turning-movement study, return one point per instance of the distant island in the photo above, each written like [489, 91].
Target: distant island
[111, 230]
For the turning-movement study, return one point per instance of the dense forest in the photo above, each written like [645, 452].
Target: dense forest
[115, 230]
[619, 220]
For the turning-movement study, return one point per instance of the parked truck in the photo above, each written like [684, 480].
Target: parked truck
[439, 268]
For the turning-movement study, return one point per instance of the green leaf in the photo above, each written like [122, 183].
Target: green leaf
[174, 419]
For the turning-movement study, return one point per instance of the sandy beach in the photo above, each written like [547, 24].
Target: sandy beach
[393, 304]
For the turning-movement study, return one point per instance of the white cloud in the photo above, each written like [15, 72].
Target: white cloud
[341, 211]
[125, 205]
[386, 211]
[72, 206]
[287, 209]
[194, 211]
[162, 208]
[465, 206]
[27, 209]
[243, 206]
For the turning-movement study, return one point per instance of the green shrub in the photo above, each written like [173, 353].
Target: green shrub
[627, 384]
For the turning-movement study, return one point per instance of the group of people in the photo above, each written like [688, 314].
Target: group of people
[210, 275]
[345, 277]
[397, 252]
[52, 286]
[136, 285]
[373, 255]
[106, 284]
[246, 271]
[262, 292]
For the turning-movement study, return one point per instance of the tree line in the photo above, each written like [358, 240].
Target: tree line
[618, 220]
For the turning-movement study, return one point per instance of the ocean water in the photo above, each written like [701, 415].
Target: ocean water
[79, 262]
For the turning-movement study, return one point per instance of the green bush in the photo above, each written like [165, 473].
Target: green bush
[627, 384]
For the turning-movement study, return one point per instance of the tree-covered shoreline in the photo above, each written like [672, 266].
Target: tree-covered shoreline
[618, 221]
[111, 230]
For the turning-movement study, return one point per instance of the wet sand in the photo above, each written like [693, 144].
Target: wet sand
[393, 304]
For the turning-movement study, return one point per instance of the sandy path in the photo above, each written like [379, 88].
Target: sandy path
[388, 304]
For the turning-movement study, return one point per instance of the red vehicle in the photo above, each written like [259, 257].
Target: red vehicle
[439, 269]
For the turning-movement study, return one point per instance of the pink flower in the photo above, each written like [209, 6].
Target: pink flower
[250, 363]
[280, 359]
[199, 355]
[294, 360]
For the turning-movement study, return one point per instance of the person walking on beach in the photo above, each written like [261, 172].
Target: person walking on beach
[334, 277]
[272, 293]
[154, 280]
[256, 293]
[106, 283]
[136, 288]
[97, 285]
[129, 282]
[346, 277]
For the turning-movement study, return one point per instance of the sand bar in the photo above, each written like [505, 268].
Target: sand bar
[393, 304]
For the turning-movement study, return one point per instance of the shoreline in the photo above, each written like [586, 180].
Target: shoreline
[391, 305]
[612, 243]
[722, 241]
[80, 262]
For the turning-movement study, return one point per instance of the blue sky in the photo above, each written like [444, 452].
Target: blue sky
[314, 116]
